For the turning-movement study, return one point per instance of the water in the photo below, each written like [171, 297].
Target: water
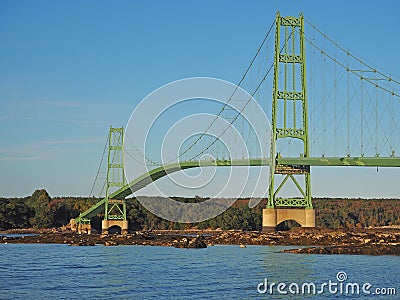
[14, 235]
[39, 271]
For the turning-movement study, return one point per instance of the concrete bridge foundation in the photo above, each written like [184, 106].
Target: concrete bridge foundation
[81, 227]
[84, 228]
[107, 224]
[274, 216]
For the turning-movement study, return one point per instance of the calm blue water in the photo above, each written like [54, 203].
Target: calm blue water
[144, 272]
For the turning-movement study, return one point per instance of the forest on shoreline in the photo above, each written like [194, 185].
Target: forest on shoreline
[41, 211]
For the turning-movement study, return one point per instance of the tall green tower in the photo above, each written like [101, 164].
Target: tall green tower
[289, 121]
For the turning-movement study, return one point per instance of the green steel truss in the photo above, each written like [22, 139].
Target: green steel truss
[289, 93]
[115, 209]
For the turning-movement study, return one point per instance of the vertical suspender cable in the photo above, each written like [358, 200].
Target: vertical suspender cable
[348, 110]
[362, 117]
[376, 121]
[335, 125]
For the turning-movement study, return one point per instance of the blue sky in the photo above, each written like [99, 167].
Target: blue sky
[70, 69]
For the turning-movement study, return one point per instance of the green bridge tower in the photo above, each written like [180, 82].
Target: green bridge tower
[115, 209]
[289, 121]
[113, 206]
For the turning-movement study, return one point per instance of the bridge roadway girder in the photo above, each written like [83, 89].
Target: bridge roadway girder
[341, 161]
[157, 173]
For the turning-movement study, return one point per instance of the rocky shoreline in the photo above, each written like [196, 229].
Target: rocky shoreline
[370, 241]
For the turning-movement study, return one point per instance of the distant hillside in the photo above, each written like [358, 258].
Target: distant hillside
[42, 211]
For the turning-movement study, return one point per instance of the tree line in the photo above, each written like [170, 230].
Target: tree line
[41, 211]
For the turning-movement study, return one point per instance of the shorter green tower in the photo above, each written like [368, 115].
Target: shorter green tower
[115, 209]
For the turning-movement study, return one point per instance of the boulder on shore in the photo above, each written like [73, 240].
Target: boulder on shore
[190, 243]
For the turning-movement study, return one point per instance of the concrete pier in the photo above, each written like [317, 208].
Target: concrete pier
[81, 227]
[274, 216]
[107, 224]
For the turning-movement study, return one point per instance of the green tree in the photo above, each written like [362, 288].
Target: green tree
[15, 213]
[44, 215]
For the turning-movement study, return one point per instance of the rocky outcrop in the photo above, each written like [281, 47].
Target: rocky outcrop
[373, 249]
[82, 244]
[111, 243]
[187, 242]
[376, 241]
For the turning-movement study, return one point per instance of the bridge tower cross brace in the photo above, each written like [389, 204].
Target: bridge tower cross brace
[289, 100]
[115, 209]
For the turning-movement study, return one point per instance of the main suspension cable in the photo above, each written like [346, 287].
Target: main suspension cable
[388, 78]
[101, 163]
[226, 104]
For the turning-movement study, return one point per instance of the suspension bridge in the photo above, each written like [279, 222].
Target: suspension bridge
[342, 112]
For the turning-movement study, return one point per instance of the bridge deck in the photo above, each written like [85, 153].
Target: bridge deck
[342, 161]
[157, 173]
